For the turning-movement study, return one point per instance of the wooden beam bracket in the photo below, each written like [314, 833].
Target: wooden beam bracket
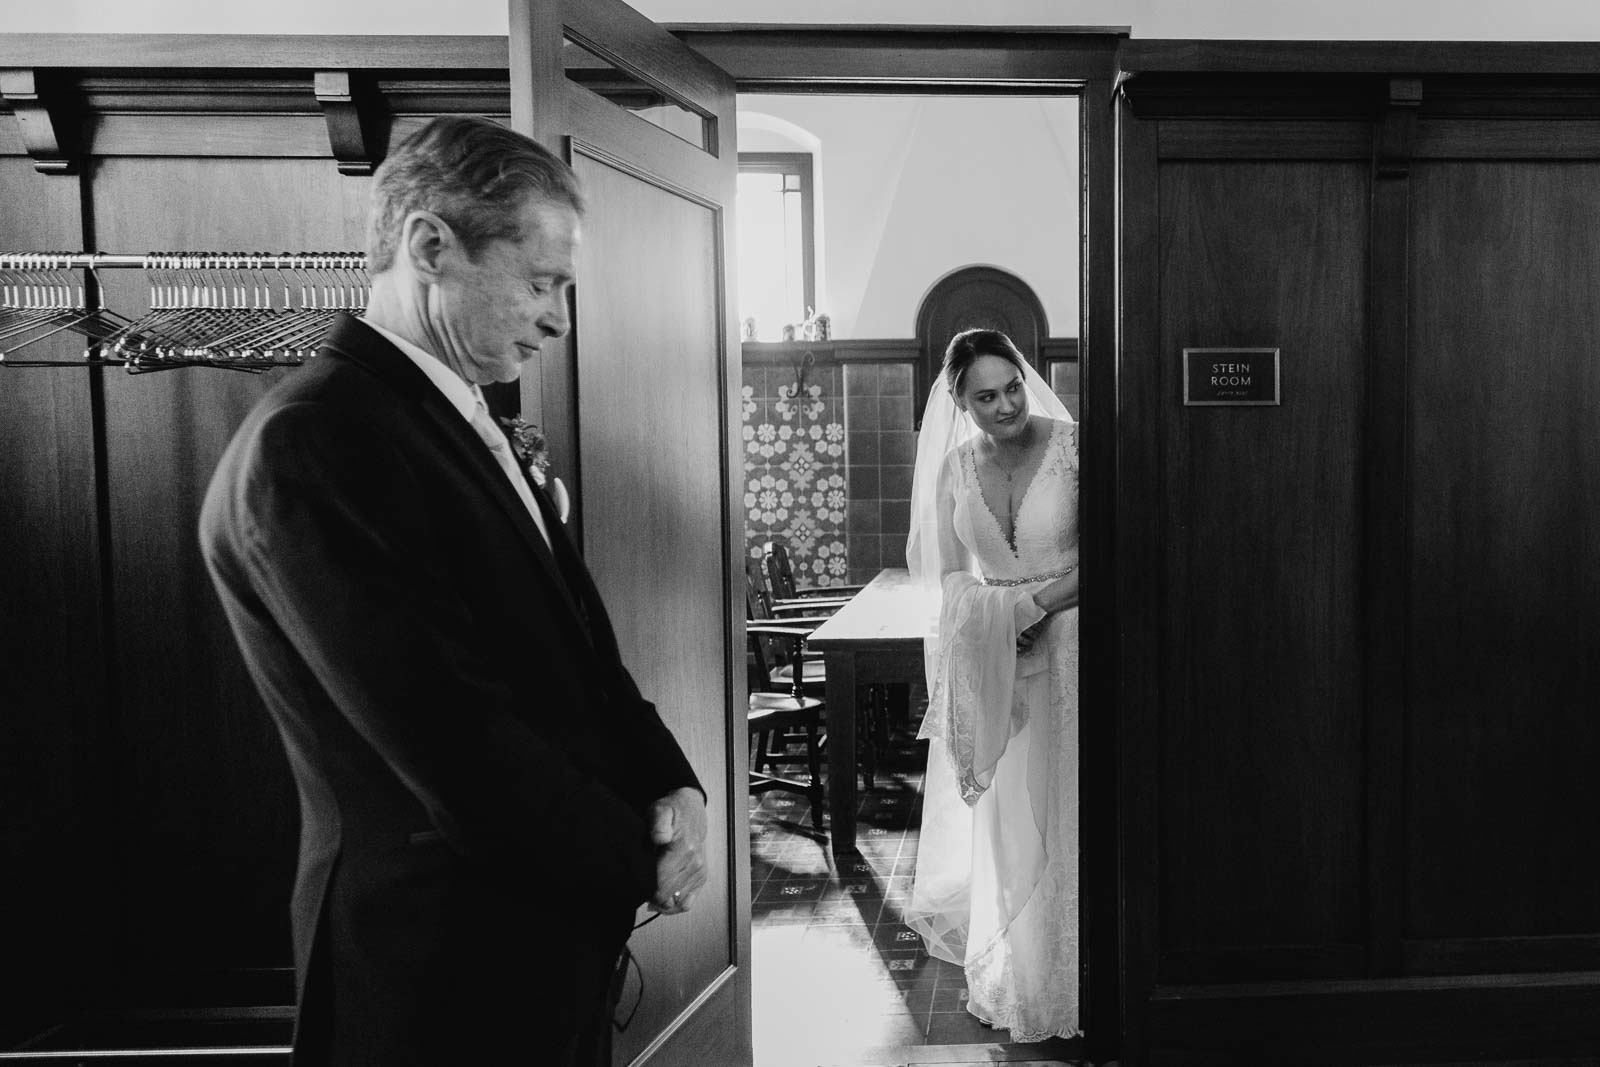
[1395, 134]
[358, 121]
[40, 113]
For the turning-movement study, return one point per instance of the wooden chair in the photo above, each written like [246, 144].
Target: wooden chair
[757, 611]
[779, 606]
[883, 704]
[779, 662]
[777, 712]
[780, 574]
[880, 704]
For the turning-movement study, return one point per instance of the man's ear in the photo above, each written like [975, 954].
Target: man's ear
[425, 239]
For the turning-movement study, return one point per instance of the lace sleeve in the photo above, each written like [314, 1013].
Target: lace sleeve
[971, 702]
[1062, 459]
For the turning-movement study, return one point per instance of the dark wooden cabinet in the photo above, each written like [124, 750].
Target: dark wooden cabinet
[1360, 628]
[148, 822]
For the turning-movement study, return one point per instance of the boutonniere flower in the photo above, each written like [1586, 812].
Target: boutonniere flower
[528, 445]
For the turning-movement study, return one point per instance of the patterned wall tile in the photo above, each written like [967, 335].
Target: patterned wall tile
[828, 448]
[794, 464]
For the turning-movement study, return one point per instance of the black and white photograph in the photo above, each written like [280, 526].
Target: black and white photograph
[860, 533]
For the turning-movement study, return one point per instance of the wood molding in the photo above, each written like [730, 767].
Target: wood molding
[1516, 58]
[1396, 133]
[348, 115]
[1385, 532]
[357, 130]
[37, 107]
[906, 58]
[878, 350]
[1504, 1017]
[1261, 95]
[1139, 486]
[215, 52]
[1266, 138]
[1095, 352]
[1502, 955]
[137, 94]
[784, 353]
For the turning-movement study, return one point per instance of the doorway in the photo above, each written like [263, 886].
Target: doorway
[857, 213]
[582, 56]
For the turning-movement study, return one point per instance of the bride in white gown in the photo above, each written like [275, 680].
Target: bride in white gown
[995, 524]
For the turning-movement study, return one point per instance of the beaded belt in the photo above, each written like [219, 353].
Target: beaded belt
[1052, 576]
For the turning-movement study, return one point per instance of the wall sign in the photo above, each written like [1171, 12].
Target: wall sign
[1218, 377]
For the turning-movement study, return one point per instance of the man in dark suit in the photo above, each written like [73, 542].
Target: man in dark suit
[486, 799]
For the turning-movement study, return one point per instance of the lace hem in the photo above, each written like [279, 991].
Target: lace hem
[999, 993]
[1025, 977]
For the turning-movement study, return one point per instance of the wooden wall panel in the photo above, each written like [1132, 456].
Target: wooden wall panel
[1504, 638]
[209, 817]
[147, 818]
[54, 838]
[1371, 613]
[1261, 737]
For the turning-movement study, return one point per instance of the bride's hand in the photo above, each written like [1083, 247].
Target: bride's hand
[1026, 639]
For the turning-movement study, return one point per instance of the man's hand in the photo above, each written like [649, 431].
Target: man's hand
[678, 828]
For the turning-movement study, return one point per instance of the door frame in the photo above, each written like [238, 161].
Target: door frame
[1018, 61]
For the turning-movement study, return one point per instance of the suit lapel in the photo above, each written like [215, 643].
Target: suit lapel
[578, 578]
[457, 439]
[566, 557]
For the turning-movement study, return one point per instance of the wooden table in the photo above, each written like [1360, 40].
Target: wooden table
[875, 638]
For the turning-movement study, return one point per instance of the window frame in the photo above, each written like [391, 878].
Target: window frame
[799, 164]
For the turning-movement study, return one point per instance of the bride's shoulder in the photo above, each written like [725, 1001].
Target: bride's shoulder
[1063, 440]
[1058, 430]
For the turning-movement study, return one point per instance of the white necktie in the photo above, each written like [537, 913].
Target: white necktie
[492, 436]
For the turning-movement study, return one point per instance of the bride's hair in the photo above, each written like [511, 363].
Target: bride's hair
[965, 348]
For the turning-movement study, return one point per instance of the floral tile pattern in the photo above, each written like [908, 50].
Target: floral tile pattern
[794, 465]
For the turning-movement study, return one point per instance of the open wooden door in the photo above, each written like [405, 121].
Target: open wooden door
[640, 409]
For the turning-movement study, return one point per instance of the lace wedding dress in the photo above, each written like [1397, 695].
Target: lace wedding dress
[996, 888]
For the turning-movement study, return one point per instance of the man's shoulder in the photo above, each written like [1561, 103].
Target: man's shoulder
[330, 380]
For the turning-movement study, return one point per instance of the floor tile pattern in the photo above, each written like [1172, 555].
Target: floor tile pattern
[838, 978]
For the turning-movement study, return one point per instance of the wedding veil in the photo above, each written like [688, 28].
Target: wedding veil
[945, 428]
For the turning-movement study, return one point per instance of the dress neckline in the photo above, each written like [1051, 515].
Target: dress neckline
[1022, 502]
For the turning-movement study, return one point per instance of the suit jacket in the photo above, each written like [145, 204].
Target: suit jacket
[474, 762]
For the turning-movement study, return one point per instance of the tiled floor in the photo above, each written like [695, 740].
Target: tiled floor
[838, 978]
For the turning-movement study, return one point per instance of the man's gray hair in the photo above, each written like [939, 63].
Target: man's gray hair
[475, 174]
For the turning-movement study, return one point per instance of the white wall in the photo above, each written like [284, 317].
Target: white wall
[1487, 20]
[911, 188]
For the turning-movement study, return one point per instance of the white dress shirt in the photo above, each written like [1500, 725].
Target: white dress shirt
[468, 400]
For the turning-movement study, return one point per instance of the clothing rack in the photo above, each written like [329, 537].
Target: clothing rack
[245, 311]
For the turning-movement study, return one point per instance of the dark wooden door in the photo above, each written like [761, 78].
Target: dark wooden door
[639, 408]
